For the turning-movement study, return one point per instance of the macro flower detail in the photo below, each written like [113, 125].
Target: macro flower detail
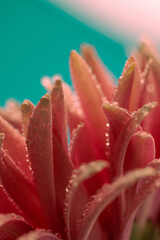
[84, 164]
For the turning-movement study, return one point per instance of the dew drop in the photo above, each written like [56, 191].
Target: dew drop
[107, 139]
[98, 86]
[107, 125]
[30, 168]
[91, 198]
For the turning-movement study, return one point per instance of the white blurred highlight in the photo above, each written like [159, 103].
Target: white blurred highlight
[117, 18]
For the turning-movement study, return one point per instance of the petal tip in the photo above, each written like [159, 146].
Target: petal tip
[87, 48]
[74, 55]
[58, 82]
[45, 100]
[25, 107]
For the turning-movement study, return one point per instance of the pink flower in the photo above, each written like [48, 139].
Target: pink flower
[93, 188]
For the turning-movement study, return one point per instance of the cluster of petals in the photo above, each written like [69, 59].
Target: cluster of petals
[83, 165]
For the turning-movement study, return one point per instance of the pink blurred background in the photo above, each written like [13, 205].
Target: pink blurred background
[122, 19]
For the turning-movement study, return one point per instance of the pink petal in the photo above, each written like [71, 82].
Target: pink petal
[39, 235]
[27, 108]
[140, 152]
[14, 143]
[40, 149]
[12, 226]
[150, 208]
[90, 101]
[142, 193]
[98, 68]
[6, 203]
[46, 83]
[59, 114]
[81, 149]
[151, 93]
[102, 199]
[145, 52]
[12, 114]
[16, 123]
[117, 118]
[151, 125]
[72, 213]
[20, 190]
[62, 173]
[74, 109]
[150, 65]
[126, 94]
[13, 107]
[125, 136]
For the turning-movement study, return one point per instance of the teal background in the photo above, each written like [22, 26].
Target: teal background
[36, 39]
